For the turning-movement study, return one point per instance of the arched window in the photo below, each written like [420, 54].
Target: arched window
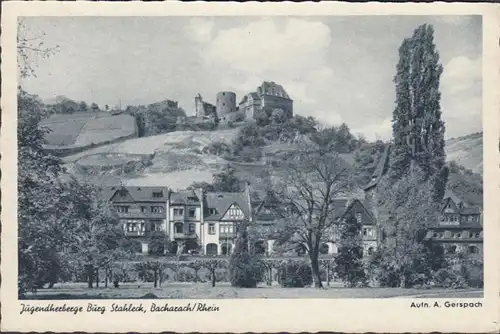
[211, 249]
[370, 251]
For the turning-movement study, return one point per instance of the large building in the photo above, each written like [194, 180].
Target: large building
[141, 210]
[268, 96]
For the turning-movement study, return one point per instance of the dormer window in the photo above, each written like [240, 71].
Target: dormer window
[158, 194]
[211, 211]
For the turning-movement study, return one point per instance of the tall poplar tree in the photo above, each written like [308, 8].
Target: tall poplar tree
[418, 130]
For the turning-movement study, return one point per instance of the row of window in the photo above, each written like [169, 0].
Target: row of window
[140, 226]
[451, 219]
[180, 212]
[453, 249]
[144, 209]
[457, 235]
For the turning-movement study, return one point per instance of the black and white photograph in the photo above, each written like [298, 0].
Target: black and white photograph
[263, 157]
[222, 157]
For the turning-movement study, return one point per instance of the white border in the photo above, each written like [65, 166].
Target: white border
[243, 315]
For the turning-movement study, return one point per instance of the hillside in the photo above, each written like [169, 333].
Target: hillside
[83, 129]
[466, 151]
[173, 159]
[176, 160]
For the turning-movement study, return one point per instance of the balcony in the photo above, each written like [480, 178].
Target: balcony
[141, 215]
[187, 235]
[135, 233]
[229, 235]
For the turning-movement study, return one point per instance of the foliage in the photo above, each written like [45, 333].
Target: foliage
[218, 148]
[418, 130]
[244, 267]
[312, 177]
[466, 183]
[156, 242]
[349, 261]
[295, 274]
[131, 245]
[226, 180]
[212, 265]
[406, 211]
[366, 158]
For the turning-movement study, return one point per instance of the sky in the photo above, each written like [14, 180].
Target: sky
[335, 68]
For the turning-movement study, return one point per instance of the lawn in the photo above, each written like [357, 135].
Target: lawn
[225, 291]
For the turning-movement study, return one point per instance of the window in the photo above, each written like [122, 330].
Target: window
[178, 212]
[122, 209]
[192, 212]
[473, 250]
[144, 209]
[158, 194]
[156, 225]
[235, 212]
[178, 228]
[359, 218]
[370, 251]
[211, 211]
[223, 229]
[457, 235]
[192, 228]
[477, 235]
[156, 209]
[211, 228]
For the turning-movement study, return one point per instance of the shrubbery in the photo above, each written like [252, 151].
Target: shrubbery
[245, 269]
[295, 274]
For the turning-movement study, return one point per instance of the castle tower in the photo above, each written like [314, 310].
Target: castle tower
[199, 111]
[226, 103]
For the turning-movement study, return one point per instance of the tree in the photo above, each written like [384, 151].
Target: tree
[418, 130]
[212, 265]
[83, 106]
[366, 158]
[30, 47]
[157, 243]
[406, 210]
[96, 234]
[245, 268]
[349, 261]
[226, 180]
[44, 214]
[94, 107]
[310, 178]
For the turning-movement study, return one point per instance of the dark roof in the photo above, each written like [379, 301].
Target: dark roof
[138, 194]
[222, 201]
[380, 170]
[184, 197]
[463, 207]
[272, 88]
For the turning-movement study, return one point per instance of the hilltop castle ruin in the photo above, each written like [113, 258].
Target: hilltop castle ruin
[268, 96]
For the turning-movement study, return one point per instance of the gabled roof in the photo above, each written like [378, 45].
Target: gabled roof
[273, 89]
[138, 194]
[222, 201]
[186, 197]
[463, 207]
[380, 170]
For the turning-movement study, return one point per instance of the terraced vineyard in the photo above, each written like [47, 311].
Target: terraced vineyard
[86, 129]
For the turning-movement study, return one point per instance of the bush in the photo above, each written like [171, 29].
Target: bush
[449, 278]
[186, 274]
[157, 241]
[295, 274]
[131, 245]
[245, 269]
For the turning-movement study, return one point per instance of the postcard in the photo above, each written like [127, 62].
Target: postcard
[250, 167]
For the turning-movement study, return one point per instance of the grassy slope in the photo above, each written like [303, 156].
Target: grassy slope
[178, 161]
[466, 151]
